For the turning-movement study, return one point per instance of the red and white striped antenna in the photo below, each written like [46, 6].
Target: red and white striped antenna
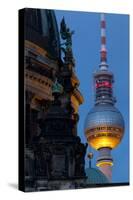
[103, 51]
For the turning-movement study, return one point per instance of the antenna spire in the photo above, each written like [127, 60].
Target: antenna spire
[103, 51]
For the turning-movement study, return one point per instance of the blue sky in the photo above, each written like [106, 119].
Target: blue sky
[86, 47]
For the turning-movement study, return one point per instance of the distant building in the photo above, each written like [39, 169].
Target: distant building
[95, 176]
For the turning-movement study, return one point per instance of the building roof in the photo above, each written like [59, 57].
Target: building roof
[41, 28]
[95, 176]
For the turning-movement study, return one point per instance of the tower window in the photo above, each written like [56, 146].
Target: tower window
[105, 84]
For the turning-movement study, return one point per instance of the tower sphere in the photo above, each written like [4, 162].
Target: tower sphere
[104, 126]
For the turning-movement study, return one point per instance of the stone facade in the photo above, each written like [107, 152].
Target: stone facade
[54, 154]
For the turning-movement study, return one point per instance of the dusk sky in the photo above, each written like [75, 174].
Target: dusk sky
[86, 48]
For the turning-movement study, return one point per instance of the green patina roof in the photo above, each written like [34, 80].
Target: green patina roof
[95, 176]
[57, 87]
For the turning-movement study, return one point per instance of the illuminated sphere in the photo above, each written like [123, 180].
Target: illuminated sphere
[104, 126]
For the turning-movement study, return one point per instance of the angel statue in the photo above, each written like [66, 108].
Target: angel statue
[66, 34]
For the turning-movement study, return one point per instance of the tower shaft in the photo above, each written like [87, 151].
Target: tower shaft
[104, 94]
[105, 162]
[104, 126]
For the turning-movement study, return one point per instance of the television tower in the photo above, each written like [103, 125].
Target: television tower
[104, 125]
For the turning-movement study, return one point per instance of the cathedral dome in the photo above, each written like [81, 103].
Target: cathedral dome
[41, 29]
[104, 126]
[95, 176]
